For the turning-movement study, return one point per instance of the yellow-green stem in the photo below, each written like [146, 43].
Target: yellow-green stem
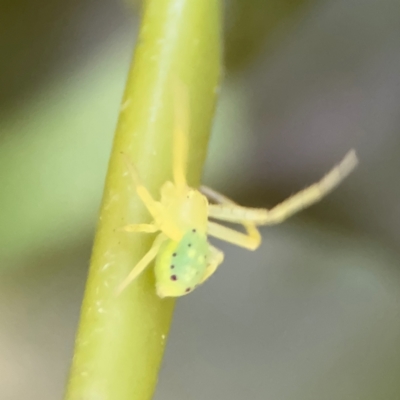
[121, 339]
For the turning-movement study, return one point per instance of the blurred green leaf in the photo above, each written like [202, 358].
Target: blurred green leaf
[53, 158]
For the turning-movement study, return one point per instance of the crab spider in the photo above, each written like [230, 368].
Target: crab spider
[184, 257]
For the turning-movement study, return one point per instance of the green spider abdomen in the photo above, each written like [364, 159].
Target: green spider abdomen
[181, 266]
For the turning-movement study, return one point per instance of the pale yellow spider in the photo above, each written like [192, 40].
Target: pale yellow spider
[184, 257]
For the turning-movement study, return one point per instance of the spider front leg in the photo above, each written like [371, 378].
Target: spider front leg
[294, 204]
[250, 241]
[180, 135]
[155, 208]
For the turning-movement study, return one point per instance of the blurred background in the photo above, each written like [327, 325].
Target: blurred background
[315, 312]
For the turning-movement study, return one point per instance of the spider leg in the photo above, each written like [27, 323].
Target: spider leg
[216, 258]
[180, 139]
[215, 196]
[294, 204]
[155, 208]
[146, 228]
[143, 263]
[250, 241]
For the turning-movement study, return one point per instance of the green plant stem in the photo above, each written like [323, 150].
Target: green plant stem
[121, 339]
